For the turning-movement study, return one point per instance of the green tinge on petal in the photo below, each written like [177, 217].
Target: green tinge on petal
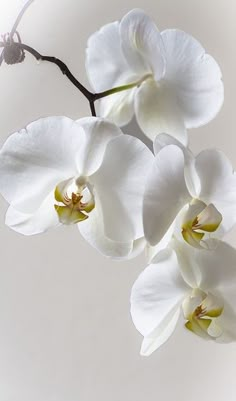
[202, 310]
[208, 220]
[210, 227]
[214, 312]
[68, 215]
[89, 207]
[198, 326]
[58, 195]
[215, 330]
[203, 323]
[191, 237]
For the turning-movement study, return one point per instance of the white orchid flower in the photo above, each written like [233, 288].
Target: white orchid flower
[173, 84]
[191, 198]
[197, 288]
[85, 172]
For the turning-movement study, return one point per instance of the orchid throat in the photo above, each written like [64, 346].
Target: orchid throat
[75, 200]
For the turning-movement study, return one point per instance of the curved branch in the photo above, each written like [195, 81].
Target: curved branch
[64, 69]
[91, 97]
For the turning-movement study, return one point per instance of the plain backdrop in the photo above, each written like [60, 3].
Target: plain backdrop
[65, 329]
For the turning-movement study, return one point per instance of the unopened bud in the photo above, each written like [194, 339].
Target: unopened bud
[13, 54]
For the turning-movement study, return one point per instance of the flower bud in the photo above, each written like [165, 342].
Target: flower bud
[13, 54]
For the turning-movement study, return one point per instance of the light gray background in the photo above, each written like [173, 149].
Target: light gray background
[65, 329]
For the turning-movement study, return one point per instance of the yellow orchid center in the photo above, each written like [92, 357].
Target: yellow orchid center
[199, 220]
[75, 200]
[202, 310]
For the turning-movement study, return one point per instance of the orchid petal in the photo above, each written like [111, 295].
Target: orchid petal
[92, 230]
[157, 111]
[118, 107]
[187, 262]
[105, 63]
[191, 176]
[42, 220]
[142, 44]
[119, 184]
[159, 336]
[195, 76]
[218, 185]
[107, 68]
[153, 251]
[35, 159]
[95, 135]
[155, 298]
[47, 152]
[165, 193]
[218, 267]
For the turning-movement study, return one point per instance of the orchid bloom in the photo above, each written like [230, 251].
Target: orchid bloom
[172, 83]
[197, 288]
[86, 172]
[190, 198]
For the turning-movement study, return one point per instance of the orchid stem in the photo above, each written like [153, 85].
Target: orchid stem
[91, 97]
[121, 88]
[19, 17]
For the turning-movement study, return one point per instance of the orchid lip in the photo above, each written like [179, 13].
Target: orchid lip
[202, 310]
[199, 220]
[75, 200]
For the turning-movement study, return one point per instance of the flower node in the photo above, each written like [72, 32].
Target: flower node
[12, 53]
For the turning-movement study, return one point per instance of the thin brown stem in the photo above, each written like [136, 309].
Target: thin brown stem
[91, 97]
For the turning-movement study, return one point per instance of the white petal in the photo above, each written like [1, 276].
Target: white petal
[156, 295]
[107, 68]
[119, 185]
[92, 230]
[195, 76]
[157, 111]
[218, 268]
[142, 44]
[105, 62]
[165, 193]
[47, 152]
[213, 270]
[35, 159]
[209, 219]
[191, 176]
[161, 334]
[42, 220]
[95, 135]
[138, 247]
[197, 220]
[215, 330]
[163, 140]
[152, 251]
[227, 321]
[189, 267]
[118, 108]
[218, 185]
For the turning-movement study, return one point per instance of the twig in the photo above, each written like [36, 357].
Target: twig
[91, 97]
